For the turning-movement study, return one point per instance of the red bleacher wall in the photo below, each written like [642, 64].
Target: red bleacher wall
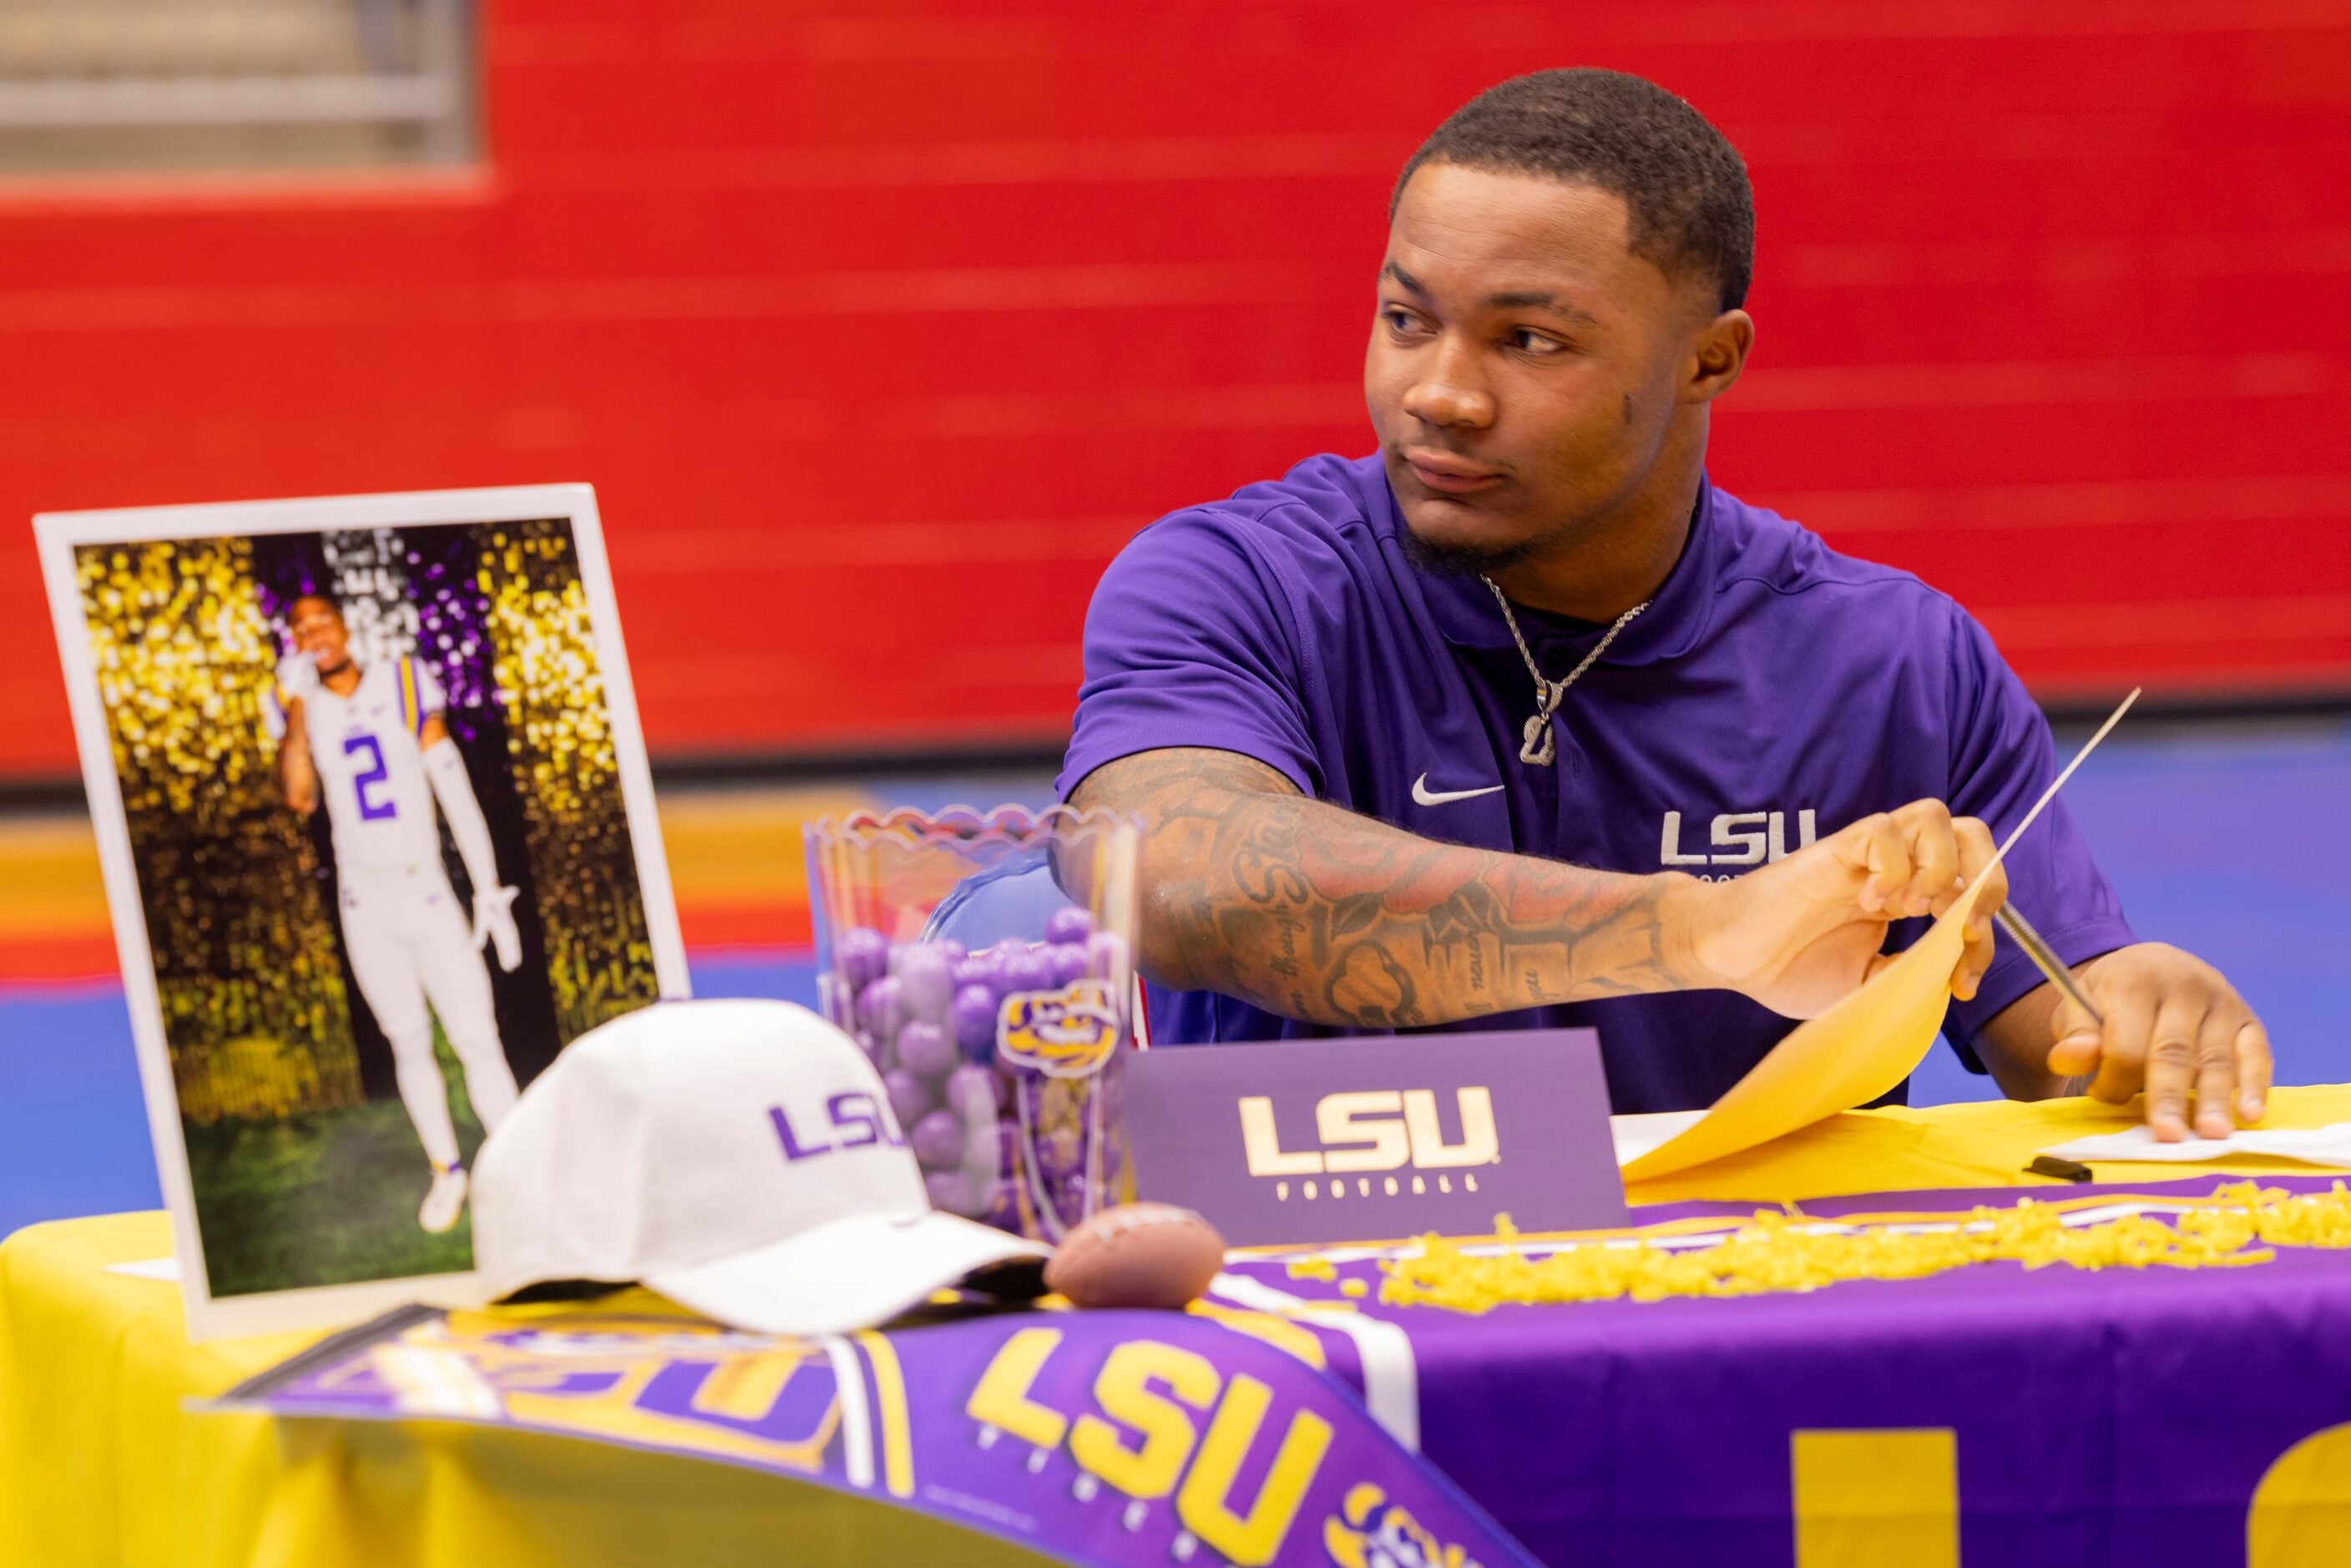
[878, 330]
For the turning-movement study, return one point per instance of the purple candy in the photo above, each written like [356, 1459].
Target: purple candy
[956, 951]
[1027, 969]
[923, 983]
[938, 1141]
[1107, 955]
[973, 1014]
[1068, 924]
[881, 1009]
[1069, 959]
[861, 956]
[910, 1097]
[924, 1047]
[971, 1092]
[949, 1193]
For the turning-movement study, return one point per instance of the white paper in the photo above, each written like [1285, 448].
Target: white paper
[2328, 1145]
[166, 1269]
[1637, 1135]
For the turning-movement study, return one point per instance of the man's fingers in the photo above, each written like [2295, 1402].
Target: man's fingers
[1909, 859]
[2173, 1027]
[1934, 854]
[2216, 1076]
[2252, 1049]
[1976, 852]
[2122, 1043]
[1975, 848]
[1974, 958]
[1876, 848]
[2171, 1062]
[2079, 1045]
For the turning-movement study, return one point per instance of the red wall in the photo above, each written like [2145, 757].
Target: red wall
[879, 331]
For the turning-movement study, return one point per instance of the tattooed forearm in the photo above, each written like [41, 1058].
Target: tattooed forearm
[1311, 911]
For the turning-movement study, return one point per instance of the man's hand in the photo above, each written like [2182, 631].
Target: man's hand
[1801, 935]
[494, 921]
[297, 676]
[2175, 1029]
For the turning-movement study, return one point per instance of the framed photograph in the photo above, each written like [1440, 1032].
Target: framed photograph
[379, 841]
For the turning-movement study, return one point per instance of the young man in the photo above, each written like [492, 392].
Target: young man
[1379, 714]
[371, 743]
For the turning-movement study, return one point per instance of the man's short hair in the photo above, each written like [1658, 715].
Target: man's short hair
[1692, 209]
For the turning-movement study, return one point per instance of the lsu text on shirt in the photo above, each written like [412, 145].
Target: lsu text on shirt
[1773, 692]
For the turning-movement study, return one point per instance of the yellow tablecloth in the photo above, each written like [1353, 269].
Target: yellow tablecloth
[102, 1463]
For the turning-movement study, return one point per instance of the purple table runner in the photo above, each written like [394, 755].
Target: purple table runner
[2126, 1416]
[2123, 1416]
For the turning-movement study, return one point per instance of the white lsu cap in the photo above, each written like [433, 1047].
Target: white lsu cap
[739, 1157]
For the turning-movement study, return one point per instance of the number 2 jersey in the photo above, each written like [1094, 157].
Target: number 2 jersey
[370, 765]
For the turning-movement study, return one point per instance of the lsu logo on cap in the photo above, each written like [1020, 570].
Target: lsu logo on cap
[1364, 1534]
[853, 1121]
[1067, 1033]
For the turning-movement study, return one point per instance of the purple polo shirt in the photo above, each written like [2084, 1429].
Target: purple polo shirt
[1775, 691]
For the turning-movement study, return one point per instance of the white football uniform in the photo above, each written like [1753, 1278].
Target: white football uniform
[372, 769]
[409, 939]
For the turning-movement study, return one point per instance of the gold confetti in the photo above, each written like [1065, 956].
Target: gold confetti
[243, 947]
[566, 772]
[1783, 1252]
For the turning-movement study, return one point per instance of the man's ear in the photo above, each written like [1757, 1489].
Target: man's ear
[1717, 353]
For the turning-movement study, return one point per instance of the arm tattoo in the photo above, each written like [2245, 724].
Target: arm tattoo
[1314, 912]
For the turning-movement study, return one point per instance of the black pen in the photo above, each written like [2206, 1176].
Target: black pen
[2011, 920]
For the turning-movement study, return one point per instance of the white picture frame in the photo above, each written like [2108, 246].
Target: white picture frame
[62, 538]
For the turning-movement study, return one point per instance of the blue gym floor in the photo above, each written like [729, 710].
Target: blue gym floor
[2228, 840]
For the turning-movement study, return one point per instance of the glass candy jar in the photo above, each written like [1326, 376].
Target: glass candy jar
[984, 962]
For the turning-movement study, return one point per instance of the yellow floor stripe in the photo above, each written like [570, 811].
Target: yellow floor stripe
[744, 848]
[49, 883]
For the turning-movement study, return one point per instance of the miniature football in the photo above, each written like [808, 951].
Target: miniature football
[1136, 1255]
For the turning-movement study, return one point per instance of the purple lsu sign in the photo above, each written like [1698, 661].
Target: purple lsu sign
[1378, 1138]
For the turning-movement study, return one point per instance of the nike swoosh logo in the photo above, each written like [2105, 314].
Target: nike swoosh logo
[1423, 794]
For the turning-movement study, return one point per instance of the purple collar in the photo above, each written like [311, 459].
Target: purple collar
[1465, 611]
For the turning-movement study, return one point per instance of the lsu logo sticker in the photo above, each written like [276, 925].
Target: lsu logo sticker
[1067, 1033]
[1364, 1534]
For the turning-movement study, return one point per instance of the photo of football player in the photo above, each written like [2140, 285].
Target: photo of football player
[371, 743]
